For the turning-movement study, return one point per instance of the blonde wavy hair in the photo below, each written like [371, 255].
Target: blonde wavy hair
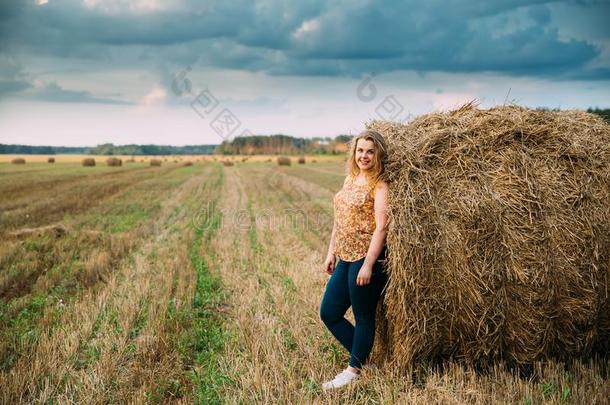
[377, 170]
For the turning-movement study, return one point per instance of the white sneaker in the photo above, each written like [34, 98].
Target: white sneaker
[341, 379]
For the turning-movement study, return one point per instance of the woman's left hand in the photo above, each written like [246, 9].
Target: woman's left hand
[364, 275]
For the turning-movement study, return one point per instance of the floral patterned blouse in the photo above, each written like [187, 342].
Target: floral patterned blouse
[354, 220]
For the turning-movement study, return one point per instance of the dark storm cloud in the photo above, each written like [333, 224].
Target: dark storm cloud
[435, 36]
[314, 38]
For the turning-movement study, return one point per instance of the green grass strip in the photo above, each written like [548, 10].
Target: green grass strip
[206, 337]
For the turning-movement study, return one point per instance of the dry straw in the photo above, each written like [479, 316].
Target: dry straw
[56, 230]
[227, 163]
[51, 160]
[18, 161]
[301, 160]
[114, 161]
[284, 161]
[88, 162]
[499, 243]
[155, 162]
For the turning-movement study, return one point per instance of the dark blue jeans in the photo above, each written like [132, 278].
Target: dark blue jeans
[341, 292]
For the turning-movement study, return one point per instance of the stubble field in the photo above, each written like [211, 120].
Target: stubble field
[198, 284]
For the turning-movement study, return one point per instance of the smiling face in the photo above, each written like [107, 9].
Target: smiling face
[365, 154]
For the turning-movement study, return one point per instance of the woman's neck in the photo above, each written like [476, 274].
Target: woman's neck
[362, 176]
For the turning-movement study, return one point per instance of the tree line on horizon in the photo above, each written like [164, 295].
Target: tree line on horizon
[109, 149]
[283, 145]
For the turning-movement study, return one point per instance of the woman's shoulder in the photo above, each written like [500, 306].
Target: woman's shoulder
[381, 185]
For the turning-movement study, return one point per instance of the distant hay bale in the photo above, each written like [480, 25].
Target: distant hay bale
[130, 160]
[244, 159]
[227, 163]
[314, 161]
[51, 160]
[114, 161]
[18, 161]
[284, 161]
[188, 163]
[88, 162]
[155, 162]
[301, 160]
[499, 240]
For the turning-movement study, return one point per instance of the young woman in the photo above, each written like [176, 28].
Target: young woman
[358, 241]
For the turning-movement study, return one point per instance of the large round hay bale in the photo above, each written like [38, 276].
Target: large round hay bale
[284, 161]
[301, 160]
[18, 161]
[114, 161]
[51, 160]
[499, 243]
[88, 162]
[155, 162]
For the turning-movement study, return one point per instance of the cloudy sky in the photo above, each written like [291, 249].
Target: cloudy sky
[84, 72]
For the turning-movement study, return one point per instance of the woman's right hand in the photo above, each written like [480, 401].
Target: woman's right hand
[329, 263]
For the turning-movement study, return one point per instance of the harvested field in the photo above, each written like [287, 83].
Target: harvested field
[198, 284]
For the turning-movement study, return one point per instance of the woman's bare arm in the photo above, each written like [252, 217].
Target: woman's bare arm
[331, 245]
[329, 263]
[381, 224]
